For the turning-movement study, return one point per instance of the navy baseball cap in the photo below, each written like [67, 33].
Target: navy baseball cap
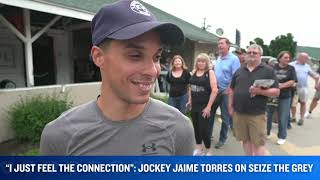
[126, 19]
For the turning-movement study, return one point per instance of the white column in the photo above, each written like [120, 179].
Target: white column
[28, 40]
[28, 48]
[43, 30]
[12, 28]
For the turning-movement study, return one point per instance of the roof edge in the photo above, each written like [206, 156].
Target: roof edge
[47, 7]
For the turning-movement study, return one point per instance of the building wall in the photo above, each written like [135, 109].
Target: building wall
[8, 97]
[191, 49]
[189, 53]
[186, 51]
[11, 57]
[210, 49]
[12, 65]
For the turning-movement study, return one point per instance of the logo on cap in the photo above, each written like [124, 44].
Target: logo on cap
[139, 8]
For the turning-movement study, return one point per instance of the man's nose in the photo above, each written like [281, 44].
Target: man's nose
[151, 68]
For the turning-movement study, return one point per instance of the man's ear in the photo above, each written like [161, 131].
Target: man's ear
[97, 56]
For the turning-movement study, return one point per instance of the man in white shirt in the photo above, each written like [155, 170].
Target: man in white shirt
[303, 70]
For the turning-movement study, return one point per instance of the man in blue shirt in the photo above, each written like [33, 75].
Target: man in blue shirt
[226, 65]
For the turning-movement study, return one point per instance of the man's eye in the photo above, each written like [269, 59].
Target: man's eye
[135, 55]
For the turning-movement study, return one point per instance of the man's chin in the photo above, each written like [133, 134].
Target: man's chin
[251, 61]
[140, 99]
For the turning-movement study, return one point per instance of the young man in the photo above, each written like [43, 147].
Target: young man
[247, 102]
[124, 120]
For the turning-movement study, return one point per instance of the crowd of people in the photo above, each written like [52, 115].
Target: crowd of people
[247, 107]
[127, 44]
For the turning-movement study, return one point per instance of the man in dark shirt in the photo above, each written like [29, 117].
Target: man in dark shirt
[248, 109]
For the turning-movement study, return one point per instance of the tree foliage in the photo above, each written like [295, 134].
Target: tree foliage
[283, 43]
[259, 41]
[280, 43]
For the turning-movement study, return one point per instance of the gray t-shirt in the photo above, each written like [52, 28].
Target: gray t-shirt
[84, 130]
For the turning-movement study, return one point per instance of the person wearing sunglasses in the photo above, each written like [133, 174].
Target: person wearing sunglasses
[247, 102]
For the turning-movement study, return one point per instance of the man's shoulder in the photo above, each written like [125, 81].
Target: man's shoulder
[267, 70]
[232, 55]
[58, 133]
[229, 59]
[264, 65]
[290, 67]
[294, 64]
[308, 66]
[162, 107]
[240, 70]
[161, 112]
[175, 123]
[69, 118]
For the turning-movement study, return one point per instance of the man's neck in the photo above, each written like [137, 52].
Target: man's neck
[253, 65]
[118, 110]
[224, 53]
[283, 65]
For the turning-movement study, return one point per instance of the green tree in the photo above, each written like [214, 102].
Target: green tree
[283, 43]
[259, 41]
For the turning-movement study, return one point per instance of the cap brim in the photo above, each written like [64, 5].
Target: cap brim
[170, 34]
[237, 52]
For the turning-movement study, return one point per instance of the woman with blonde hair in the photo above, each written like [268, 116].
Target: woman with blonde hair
[202, 93]
[178, 78]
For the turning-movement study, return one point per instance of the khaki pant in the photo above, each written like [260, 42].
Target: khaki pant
[295, 100]
[317, 95]
[250, 128]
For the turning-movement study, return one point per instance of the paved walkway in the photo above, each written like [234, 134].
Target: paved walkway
[301, 140]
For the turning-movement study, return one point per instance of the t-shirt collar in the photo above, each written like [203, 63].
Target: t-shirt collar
[259, 66]
[225, 57]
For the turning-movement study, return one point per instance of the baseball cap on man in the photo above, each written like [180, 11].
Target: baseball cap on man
[126, 19]
[240, 51]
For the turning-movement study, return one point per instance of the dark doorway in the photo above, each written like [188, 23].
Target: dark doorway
[43, 61]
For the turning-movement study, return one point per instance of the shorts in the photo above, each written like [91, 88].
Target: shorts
[250, 128]
[317, 95]
[302, 94]
[295, 100]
